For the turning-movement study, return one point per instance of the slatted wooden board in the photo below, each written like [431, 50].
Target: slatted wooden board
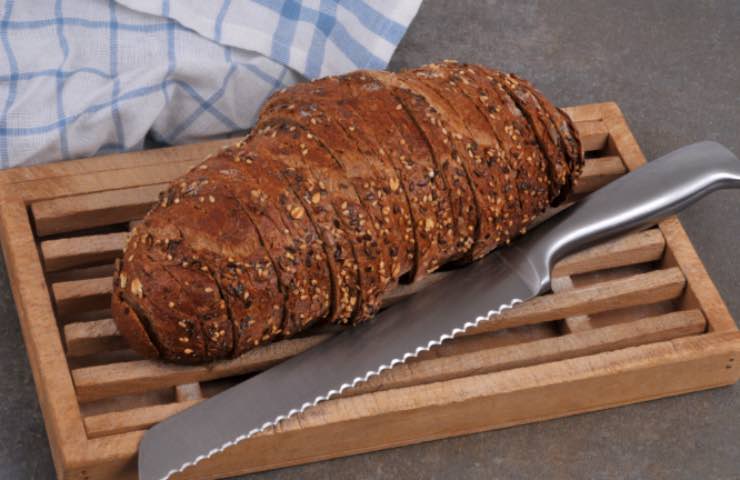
[627, 321]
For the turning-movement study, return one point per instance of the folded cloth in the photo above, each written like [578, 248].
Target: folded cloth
[88, 77]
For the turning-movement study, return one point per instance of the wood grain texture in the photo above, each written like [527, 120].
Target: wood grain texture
[589, 112]
[572, 323]
[134, 419]
[188, 392]
[40, 334]
[598, 172]
[631, 249]
[85, 338]
[594, 134]
[141, 375]
[189, 154]
[81, 295]
[78, 252]
[79, 212]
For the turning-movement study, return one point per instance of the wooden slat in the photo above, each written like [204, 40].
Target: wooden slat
[41, 336]
[631, 249]
[188, 392]
[641, 289]
[82, 295]
[103, 271]
[86, 183]
[587, 113]
[640, 332]
[134, 419]
[594, 135]
[107, 380]
[462, 345]
[187, 154]
[85, 338]
[142, 375]
[89, 337]
[598, 172]
[79, 212]
[573, 323]
[81, 251]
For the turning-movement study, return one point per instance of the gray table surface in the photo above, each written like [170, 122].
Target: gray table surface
[674, 68]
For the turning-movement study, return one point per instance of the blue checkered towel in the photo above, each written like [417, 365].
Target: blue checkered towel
[87, 77]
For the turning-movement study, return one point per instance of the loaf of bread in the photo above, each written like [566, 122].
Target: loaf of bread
[346, 187]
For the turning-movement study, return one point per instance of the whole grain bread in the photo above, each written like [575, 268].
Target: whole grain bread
[345, 188]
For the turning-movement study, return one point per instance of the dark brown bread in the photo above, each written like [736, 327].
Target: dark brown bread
[531, 160]
[346, 187]
[483, 153]
[317, 109]
[356, 216]
[560, 127]
[406, 150]
[357, 105]
[459, 221]
[475, 140]
[294, 247]
[282, 140]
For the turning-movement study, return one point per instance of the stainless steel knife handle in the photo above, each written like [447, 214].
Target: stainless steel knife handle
[639, 199]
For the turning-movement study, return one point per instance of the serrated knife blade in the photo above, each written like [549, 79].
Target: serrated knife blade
[460, 301]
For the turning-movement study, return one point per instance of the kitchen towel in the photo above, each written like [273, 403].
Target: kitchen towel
[89, 77]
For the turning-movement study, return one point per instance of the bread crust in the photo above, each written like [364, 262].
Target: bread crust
[436, 224]
[346, 187]
[282, 139]
[319, 111]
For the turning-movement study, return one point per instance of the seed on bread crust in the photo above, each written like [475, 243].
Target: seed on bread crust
[137, 288]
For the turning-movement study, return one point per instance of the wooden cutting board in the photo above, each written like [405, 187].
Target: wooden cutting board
[630, 320]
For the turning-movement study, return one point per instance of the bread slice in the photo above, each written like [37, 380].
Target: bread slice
[282, 140]
[347, 163]
[439, 226]
[405, 155]
[560, 128]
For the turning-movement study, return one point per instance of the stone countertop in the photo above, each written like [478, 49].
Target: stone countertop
[674, 69]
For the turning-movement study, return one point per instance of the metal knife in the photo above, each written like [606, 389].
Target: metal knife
[461, 300]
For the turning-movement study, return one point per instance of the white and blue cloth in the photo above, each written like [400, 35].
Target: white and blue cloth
[89, 77]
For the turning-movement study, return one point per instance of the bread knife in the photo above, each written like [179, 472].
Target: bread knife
[461, 300]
